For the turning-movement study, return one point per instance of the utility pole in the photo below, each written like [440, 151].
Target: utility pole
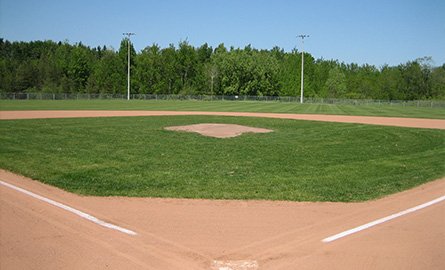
[128, 71]
[302, 67]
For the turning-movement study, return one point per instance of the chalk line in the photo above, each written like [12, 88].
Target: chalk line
[382, 220]
[70, 209]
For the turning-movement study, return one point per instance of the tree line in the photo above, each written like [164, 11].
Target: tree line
[60, 67]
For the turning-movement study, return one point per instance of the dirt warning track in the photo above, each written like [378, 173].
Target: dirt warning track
[218, 234]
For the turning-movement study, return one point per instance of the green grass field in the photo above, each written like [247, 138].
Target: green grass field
[227, 106]
[299, 161]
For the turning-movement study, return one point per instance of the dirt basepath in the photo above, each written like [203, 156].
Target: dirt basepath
[372, 120]
[217, 235]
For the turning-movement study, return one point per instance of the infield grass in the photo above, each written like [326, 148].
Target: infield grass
[299, 161]
[225, 106]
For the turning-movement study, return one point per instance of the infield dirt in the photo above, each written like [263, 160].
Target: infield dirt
[219, 130]
[192, 234]
[371, 120]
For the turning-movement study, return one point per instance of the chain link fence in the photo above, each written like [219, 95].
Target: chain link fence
[79, 96]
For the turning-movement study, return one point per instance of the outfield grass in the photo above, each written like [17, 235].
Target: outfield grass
[226, 106]
[299, 161]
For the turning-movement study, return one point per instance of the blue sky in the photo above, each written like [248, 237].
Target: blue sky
[377, 32]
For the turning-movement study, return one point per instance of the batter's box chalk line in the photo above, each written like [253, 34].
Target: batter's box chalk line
[235, 265]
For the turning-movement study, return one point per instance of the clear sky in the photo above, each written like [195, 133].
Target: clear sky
[377, 32]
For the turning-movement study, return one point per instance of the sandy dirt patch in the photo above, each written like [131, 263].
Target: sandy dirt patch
[219, 130]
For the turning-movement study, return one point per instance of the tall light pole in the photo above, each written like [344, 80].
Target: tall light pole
[128, 71]
[302, 67]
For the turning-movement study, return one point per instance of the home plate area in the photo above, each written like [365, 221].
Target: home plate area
[235, 265]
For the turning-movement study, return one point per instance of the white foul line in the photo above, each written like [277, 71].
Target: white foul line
[72, 210]
[379, 221]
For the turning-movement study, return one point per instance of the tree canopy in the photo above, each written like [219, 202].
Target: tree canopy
[60, 67]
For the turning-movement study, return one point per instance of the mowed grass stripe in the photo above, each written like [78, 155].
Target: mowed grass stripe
[226, 106]
[299, 161]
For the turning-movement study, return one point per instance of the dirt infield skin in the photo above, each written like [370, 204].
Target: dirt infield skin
[200, 234]
[372, 120]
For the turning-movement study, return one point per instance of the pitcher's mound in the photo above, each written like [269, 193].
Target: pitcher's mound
[219, 130]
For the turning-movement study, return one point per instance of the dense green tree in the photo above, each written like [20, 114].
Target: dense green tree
[336, 83]
[26, 76]
[79, 68]
[148, 73]
[289, 74]
[321, 73]
[413, 81]
[438, 82]
[390, 81]
[170, 79]
[107, 76]
[186, 66]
